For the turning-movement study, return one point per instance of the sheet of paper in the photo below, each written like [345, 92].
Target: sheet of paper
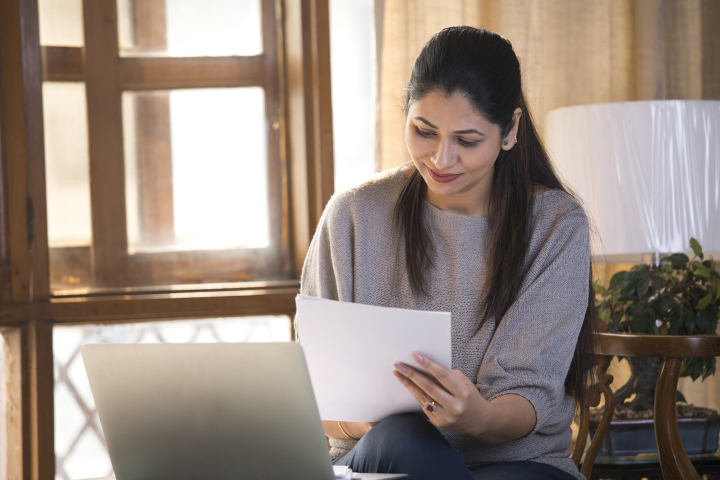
[351, 348]
[342, 472]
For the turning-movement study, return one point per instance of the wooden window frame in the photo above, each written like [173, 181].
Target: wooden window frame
[107, 263]
[28, 309]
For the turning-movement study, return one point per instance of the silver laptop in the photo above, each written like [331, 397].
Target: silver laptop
[220, 411]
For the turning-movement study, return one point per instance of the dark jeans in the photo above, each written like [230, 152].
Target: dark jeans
[411, 444]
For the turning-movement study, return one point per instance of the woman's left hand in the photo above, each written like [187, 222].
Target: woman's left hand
[449, 399]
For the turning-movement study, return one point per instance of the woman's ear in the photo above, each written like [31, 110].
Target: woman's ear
[511, 139]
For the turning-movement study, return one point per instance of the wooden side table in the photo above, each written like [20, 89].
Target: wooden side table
[673, 460]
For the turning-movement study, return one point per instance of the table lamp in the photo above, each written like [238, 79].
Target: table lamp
[648, 172]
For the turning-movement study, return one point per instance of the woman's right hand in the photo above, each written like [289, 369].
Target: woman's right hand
[354, 429]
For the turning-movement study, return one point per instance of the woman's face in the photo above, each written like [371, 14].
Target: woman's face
[454, 148]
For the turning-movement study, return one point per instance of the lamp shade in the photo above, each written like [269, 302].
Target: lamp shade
[648, 172]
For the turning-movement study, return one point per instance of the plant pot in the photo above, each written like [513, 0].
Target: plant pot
[635, 436]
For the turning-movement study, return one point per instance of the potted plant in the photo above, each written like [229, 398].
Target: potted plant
[680, 296]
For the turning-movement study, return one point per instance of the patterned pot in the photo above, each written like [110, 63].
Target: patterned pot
[628, 437]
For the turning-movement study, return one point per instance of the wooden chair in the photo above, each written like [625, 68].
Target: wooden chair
[674, 460]
[597, 390]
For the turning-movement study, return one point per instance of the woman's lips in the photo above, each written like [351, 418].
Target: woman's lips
[443, 177]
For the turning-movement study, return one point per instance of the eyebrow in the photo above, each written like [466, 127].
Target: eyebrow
[460, 132]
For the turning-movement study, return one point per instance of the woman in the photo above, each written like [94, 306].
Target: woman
[478, 225]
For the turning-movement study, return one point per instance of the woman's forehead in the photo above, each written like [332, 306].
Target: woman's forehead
[454, 111]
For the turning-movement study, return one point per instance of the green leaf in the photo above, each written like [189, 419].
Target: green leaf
[701, 272]
[679, 397]
[666, 304]
[657, 283]
[697, 249]
[696, 369]
[639, 324]
[676, 326]
[690, 323]
[708, 370]
[616, 280]
[599, 289]
[710, 264]
[605, 314]
[643, 285]
[617, 318]
[629, 277]
[716, 286]
[629, 289]
[637, 307]
[640, 269]
[704, 302]
[708, 323]
[709, 367]
[702, 323]
[677, 259]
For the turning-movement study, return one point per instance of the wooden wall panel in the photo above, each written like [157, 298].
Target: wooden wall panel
[5, 294]
[5, 284]
[307, 50]
[23, 149]
[36, 202]
[15, 147]
[13, 405]
[30, 443]
[38, 405]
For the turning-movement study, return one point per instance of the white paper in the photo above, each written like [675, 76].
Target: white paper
[342, 472]
[351, 348]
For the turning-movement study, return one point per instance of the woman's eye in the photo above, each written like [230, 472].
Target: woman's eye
[424, 133]
[467, 143]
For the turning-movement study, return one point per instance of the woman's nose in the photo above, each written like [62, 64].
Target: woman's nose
[444, 155]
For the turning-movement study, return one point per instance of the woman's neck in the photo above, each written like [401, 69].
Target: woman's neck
[474, 202]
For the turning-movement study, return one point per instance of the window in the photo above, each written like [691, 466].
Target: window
[149, 173]
[174, 174]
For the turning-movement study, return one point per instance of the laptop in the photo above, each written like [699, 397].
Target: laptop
[220, 411]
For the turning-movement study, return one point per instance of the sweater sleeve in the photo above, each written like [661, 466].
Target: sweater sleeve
[328, 268]
[533, 346]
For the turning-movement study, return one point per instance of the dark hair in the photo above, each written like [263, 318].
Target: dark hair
[481, 66]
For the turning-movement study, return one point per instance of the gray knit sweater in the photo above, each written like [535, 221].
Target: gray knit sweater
[356, 255]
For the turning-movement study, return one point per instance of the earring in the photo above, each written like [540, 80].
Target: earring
[505, 143]
[515, 137]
